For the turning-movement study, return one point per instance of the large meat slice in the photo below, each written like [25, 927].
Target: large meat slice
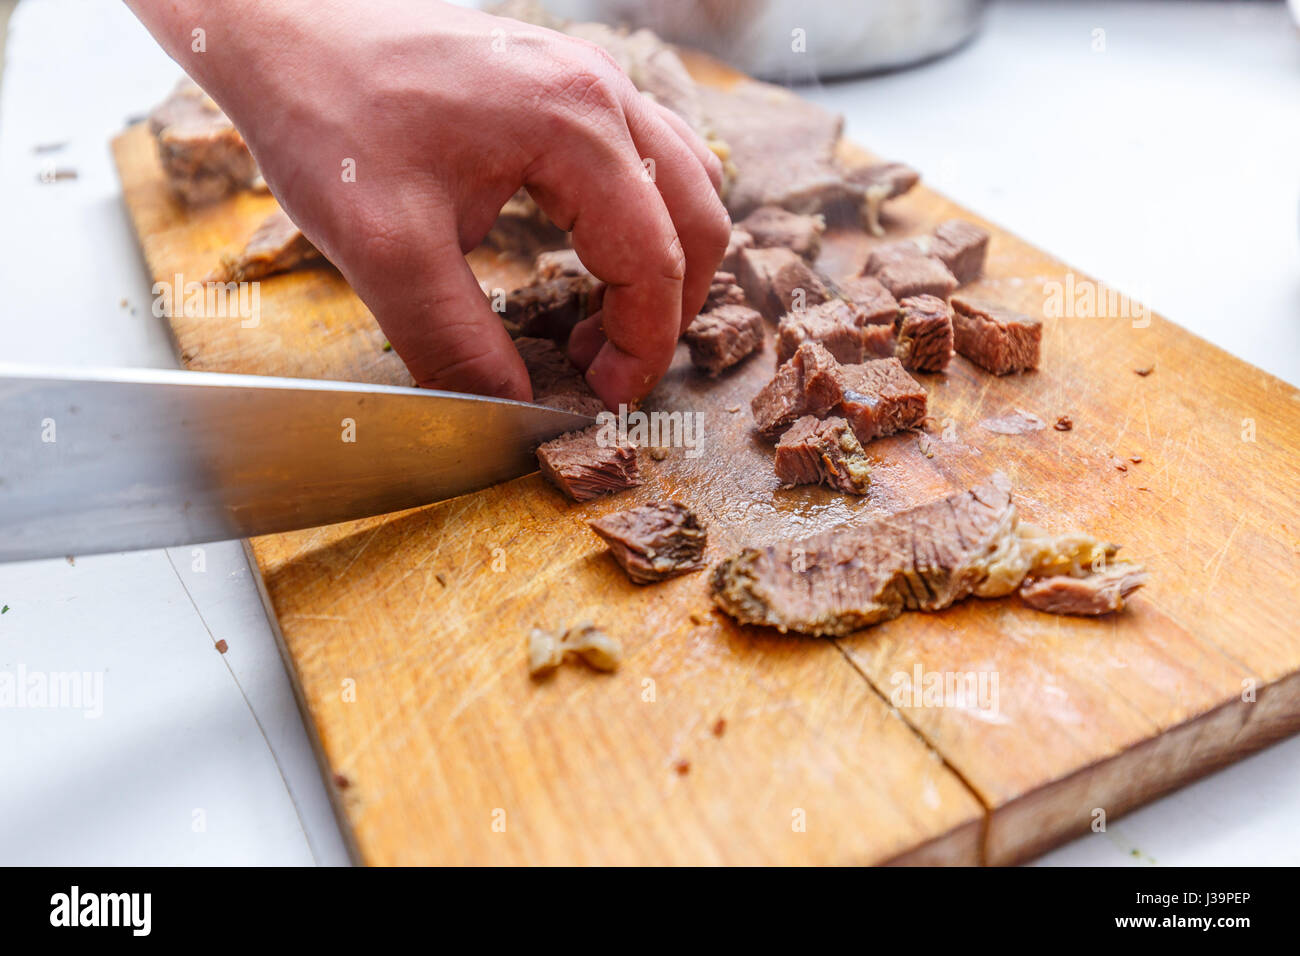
[808, 384]
[925, 334]
[720, 338]
[777, 281]
[879, 398]
[925, 559]
[203, 156]
[772, 226]
[587, 464]
[815, 451]
[1098, 593]
[996, 339]
[656, 541]
[276, 246]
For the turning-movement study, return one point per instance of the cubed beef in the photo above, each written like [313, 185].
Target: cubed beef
[276, 246]
[586, 464]
[773, 226]
[996, 339]
[878, 342]
[808, 384]
[722, 337]
[556, 383]
[878, 306]
[879, 398]
[890, 253]
[906, 276]
[521, 227]
[778, 280]
[739, 241]
[723, 290]
[880, 182]
[655, 541]
[1100, 592]
[549, 309]
[202, 154]
[925, 334]
[962, 247]
[835, 325]
[816, 451]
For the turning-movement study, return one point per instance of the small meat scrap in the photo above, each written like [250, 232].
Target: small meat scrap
[203, 156]
[837, 326]
[587, 464]
[925, 334]
[276, 246]
[962, 247]
[548, 309]
[556, 383]
[521, 227]
[808, 384]
[816, 451]
[879, 398]
[557, 264]
[878, 305]
[907, 274]
[777, 281]
[739, 241]
[721, 338]
[547, 650]
[880, 182]
[925, 558]
[654, 542]
[723, 290]
[773, 226]
[996, 339]
[1100, 592]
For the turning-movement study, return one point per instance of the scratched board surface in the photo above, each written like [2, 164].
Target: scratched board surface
[405, 635]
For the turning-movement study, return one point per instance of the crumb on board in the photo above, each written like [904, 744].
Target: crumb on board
[1135, 459]
[1144, 371]
[732, 409]
[683, 767]
[341, 781]
[440, 579]
[222, 647]
[658, 453]
[387, 346]
[548, 649]
[1119, 465]
[697, 618]
[719, 726]
[1064, 423]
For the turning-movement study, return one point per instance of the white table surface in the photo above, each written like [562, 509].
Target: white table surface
[1132, 164]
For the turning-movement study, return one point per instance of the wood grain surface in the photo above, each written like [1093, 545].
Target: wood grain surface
[405, 635]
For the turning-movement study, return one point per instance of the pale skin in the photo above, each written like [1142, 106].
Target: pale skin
[444, 119]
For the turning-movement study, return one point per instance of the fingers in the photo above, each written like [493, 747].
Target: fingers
[434, 313]
[591, 179]
[707, 157]
[691, 198]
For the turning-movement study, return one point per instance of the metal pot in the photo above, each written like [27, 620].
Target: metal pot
[796, 40]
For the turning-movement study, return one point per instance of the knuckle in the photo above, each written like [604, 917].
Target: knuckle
[582, 93]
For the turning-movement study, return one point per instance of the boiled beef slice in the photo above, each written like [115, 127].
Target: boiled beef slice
[739, 241]
[877, 304]
[772, 226]
[879, 398]
[1100, 592]
[906, 275]
[816, 451]
[836, 325]
[996, 339]
[277, 245]
[723, 290]
[808, 384]
[203, 156]
[655, 541]
[585, 464]
[720, 338]
[925, 334]
[777, 280]
[962, 247]
[924, 558]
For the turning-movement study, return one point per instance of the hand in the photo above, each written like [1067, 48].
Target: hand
[444, 113]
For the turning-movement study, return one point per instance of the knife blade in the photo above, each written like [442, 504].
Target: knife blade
[122, 459]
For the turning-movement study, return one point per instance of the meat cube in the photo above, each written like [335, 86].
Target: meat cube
[740, 240]
[815, 451]
[772, 226]
[905, 276]
[880, 182]
[1098, 593]
[202, 154]
[878, 306]
[878, 342]
[879, 398]
[925, 334]
[777, 281]
[654, 542]
[962, 247]
[586, 464]
[557, 264]
[723, 290]
[556, 383]
[521, 227]
[276, 246]
[835, 325]
[808, 384]
[548, 309]
[721, 338]
[857, 575]
[996, 339]
[891, 253]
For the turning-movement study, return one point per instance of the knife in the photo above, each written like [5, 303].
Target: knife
[122, 459]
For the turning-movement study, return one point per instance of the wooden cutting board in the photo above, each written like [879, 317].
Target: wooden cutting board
[405, 635]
